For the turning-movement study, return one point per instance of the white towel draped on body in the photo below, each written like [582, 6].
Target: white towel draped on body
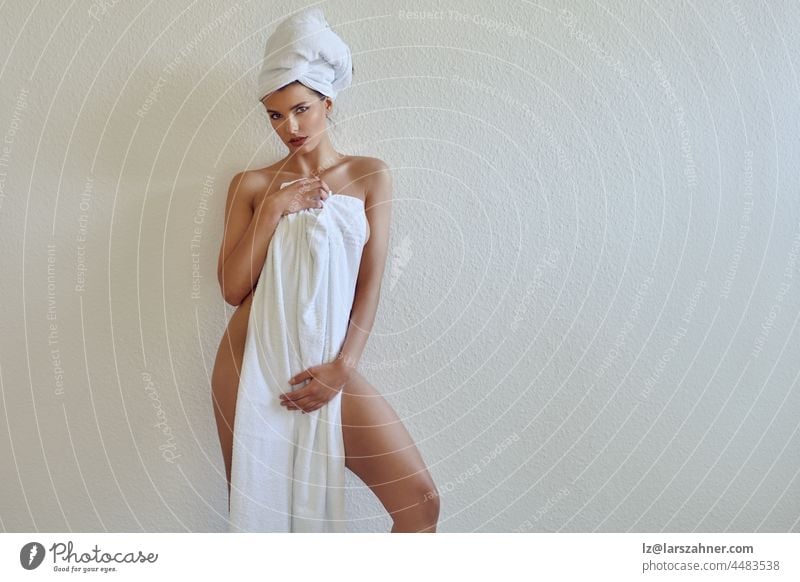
[288, 467]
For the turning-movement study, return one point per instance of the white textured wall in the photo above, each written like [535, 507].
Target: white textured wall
[589, 316]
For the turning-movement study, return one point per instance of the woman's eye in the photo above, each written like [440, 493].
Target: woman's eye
[301, 109]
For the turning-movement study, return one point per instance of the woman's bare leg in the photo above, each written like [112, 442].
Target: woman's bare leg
[225, 382]
[380, 451]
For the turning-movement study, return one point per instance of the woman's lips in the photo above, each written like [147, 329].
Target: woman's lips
[297, 142]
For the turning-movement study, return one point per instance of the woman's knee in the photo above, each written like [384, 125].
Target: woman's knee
[420, 512]
[427, 492]
[418, 496]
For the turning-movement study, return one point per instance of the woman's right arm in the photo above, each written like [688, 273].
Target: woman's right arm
[246, 235]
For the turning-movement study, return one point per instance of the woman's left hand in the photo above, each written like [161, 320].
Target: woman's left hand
[326, 381]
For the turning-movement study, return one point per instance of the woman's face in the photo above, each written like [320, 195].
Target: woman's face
[296, 111]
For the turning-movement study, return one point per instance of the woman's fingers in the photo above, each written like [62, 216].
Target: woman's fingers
[300, 396]
[301, 400]
[306, 402]
[300, 377]
[315, 196]
[290, 404]
[321, 190]
[310, 193]
[307, 407]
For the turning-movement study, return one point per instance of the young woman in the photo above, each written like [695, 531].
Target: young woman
[377, 447]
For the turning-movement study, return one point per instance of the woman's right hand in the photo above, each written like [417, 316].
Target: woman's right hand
[300, 195]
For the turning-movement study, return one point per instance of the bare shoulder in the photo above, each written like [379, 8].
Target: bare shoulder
[254, 185]
[377, 177]
[367, 166]
[247, 183]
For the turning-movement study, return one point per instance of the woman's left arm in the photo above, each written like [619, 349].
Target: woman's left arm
[373, 263]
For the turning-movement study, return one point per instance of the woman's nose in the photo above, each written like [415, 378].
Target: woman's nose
[292, 124]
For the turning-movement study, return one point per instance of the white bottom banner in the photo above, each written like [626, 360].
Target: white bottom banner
[447, 556]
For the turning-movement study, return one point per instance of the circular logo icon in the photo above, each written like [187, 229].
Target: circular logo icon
[31, 555]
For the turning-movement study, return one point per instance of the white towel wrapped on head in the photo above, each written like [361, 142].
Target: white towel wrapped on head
[304, 48]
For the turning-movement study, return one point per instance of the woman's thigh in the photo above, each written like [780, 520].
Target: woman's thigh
[381, 452]
[225, 378]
